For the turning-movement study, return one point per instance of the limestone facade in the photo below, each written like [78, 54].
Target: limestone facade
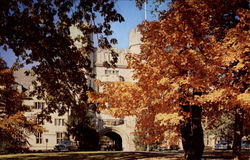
[121, 73]
[54, 130]
[106, 124]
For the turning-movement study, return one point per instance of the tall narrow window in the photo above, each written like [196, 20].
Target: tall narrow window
[38, 105]
[39, 138]
[59, 137]
[63, 122]
[106, 71]
[59, 122]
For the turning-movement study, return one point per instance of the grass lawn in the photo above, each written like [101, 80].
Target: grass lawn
[91, 156]
[212, 155]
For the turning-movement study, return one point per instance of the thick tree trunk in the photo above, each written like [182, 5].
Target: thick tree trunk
[192, 134]
[238, 133]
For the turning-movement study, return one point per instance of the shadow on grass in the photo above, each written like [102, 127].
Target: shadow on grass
[213, 155]
[224, 155]
[87, 156]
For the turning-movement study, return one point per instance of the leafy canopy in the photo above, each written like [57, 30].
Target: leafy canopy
[196, 54]
[14, 125]
[40, 32]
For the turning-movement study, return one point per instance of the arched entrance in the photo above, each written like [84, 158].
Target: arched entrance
[111, 141]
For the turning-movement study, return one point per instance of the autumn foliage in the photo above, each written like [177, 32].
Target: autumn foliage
[196, 54]
[41, 34]
[14, 125]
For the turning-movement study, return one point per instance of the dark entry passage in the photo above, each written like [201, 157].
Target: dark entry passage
[111, 141]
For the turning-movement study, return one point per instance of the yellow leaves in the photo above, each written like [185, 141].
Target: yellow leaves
[230, 57]
[171, 137]
[17, 125]
[173, 84]
[235, 46]
[118, 97]
[244, 97]
[225, 98]
[182, 57]
[244, 100]
[214, 96]
[168, 118]
[183, 80]
[192, 51]
[239, 66]
[163, 81]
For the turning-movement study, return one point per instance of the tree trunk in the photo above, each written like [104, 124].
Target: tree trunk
[192, 134]
[238, 133]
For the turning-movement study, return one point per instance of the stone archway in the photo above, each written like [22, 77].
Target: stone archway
[121, 135]
[111, 141]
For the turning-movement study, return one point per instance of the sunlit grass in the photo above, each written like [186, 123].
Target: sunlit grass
[99, 155]
[114, 155]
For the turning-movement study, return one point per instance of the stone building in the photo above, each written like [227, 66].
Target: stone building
[115, 133]
[55, 131]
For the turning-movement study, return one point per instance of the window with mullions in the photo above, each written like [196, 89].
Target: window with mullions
[38, 105]
[59, 122]
[113, 72]
[39, 120]
[59, 137]
[39, 139]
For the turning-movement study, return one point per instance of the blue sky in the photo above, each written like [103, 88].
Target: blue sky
[132, 15]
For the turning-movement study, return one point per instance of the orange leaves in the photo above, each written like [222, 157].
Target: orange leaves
[244, 15]
[13, 122]
[244, 100]
[193, 51]
[5, 71]
[119, 97]
[196, 54]
[215, 95]
[18, 125]
[166, 119]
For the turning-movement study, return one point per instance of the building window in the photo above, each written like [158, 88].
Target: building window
[121, 79]
[38, 105]
[113, 72]
[107, 72]
[39, 120]
[59, 137]
[39, 138]
[107, 57]
[59, 122]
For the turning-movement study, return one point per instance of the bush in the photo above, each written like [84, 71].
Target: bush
[16, 149]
